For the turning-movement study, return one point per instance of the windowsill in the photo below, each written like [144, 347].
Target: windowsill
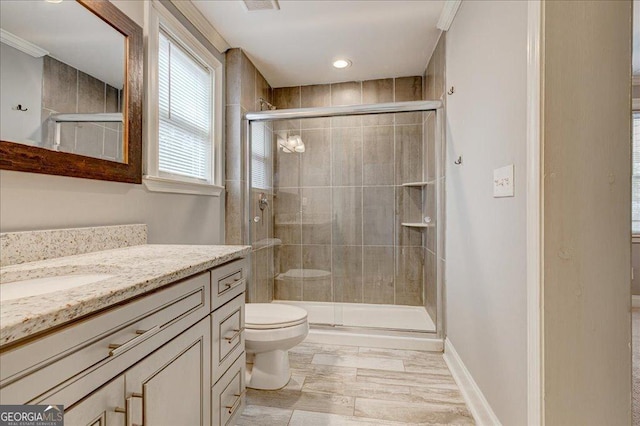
[635, 238]
[158, 184]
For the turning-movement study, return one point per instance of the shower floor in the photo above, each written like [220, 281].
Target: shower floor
[388, 317]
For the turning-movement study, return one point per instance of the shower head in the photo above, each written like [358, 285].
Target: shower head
[264, 104]
[291, 144]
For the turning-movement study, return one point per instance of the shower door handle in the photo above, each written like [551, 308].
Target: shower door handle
[263, 202]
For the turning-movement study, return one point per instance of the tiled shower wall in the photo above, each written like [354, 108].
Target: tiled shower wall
[245, 86]
[340, 204]
[66, 89]
[434, 86]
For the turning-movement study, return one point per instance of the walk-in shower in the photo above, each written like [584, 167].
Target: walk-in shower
[352, 220]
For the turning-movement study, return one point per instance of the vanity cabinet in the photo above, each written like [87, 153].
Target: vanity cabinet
[228, 362]
[98, 408]
[155, 360]
[171, 387]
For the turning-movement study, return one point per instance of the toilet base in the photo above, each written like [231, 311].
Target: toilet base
[270, 370]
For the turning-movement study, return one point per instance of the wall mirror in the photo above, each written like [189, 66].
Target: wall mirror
[70, 89]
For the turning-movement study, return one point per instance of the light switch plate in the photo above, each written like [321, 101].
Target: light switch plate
[503, 182]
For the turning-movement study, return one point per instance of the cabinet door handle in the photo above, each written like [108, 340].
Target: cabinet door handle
[235, 334]
[233, 407]
[124, 411]
[117, 349]
[141, 396]
[129, 410]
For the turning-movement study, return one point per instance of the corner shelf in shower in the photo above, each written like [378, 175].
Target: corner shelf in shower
[423, 186]
[418, 225]
[419, 184]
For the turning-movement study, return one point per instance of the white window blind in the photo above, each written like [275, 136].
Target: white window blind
[635, 182]
[185, 116]
[260, 156]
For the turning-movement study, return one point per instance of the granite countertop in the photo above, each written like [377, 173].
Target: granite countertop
[137, 270]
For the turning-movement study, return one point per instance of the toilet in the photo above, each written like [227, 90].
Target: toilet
[270, 331]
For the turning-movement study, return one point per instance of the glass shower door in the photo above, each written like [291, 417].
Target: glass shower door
[353, 207]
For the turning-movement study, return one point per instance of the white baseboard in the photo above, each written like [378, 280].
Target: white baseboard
[635, 301]
[477, 403]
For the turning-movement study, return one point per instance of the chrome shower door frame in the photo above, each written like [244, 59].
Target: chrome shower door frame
[340, 111]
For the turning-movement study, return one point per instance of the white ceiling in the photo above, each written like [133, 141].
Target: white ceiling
[297, 44]
[70, 33]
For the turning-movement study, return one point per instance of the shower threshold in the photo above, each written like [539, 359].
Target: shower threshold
[383, 326]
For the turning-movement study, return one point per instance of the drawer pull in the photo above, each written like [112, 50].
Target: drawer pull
[116, 348]
[235, 334]
[237, 402]
[232, 283]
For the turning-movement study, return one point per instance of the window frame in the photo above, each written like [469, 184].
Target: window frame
[158, 17]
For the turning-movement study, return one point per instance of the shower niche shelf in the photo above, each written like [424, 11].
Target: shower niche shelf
[419, 184]
[422, 186]
[418, 225]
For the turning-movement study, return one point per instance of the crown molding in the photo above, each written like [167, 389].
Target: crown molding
[21, 44]
[193, 14]
[448, 13]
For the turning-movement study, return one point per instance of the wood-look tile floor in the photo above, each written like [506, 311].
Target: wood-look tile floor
[350, 385]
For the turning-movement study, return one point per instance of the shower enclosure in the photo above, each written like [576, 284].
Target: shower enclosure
[348, 200]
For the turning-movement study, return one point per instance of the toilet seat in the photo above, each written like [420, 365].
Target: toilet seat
[267, 316]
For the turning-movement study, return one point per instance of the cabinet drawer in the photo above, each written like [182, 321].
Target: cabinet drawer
[227, 336]
[227, 396]
[228, 281]
[117, 337]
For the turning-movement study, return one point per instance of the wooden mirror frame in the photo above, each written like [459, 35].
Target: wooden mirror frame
[26, 158]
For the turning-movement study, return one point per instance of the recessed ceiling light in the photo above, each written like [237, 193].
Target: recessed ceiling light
[341, 63]
[54, 1]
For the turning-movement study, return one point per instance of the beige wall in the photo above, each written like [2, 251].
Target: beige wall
[31, 201]
[245, 86]
[587, 215]
[485, 237]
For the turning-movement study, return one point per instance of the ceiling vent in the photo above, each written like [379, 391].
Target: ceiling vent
[253, 5]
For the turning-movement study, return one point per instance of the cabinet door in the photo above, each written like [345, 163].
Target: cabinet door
[171, 386]
[99, 408]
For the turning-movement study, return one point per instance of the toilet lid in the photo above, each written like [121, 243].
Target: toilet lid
[264, 316]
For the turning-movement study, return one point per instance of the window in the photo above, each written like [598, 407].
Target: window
[260, 155]
[184, 108]
[635, 182]
[185, 140]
